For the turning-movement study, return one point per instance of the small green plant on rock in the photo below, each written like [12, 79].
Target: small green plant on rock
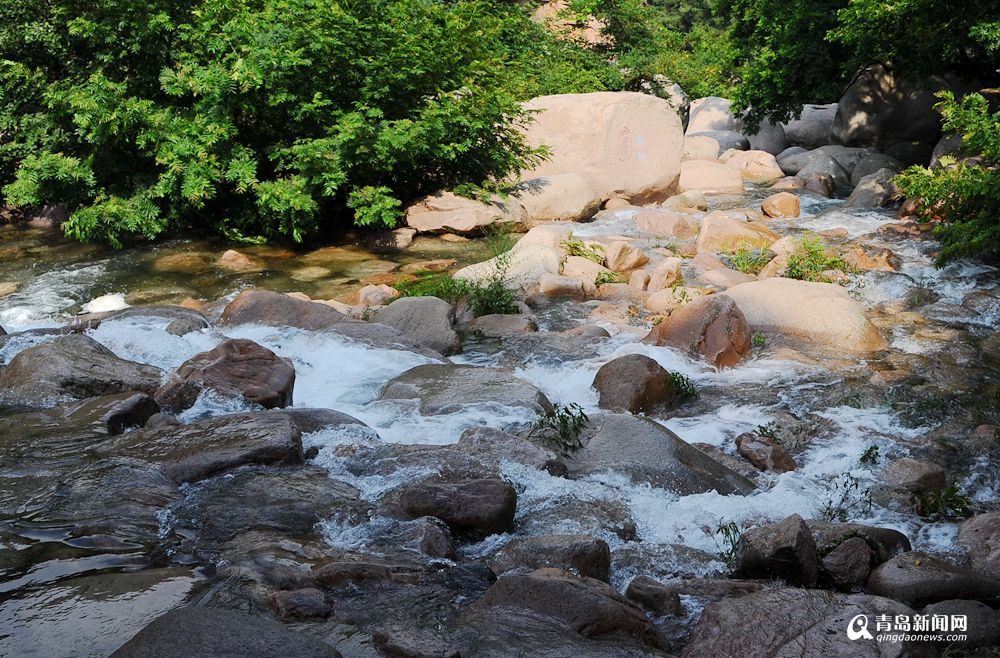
[747, 258]
[870, 456]
[435, 284]
[848, 499]
[759, 340]
[561, 427]
[607, 276]
[768, 431]
[810, 260]
[580, 248]
[944, 504]
[730, 534]
[683, 386]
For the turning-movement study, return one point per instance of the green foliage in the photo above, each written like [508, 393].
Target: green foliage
[607, 276]
[747, 259]
[561, 427]
[870, 456]
[730, 533]
[435, 284]
[684, 389]
[810, 260]
[492, 297]
[944, 504]
[847, 499]
[768, 431]
[966, 196]
[759, 340]
[574, 247]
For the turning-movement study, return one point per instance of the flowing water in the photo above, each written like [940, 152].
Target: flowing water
[922, 398]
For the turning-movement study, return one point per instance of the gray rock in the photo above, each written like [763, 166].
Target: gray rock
[727, 139]
[784, 550]
[980, 536]
[424, 320]
[849, 564]
[914, 476]
[786, 622]
[885, 542]
[305, 603]
[823, 165]
[789, 152]
[872, 162]
[983, 623]
[875, 191]
[197, 632]
[654, 596]
[315, 420]
[446, 388]
[189, 453]
[236, 367]
[70, 367]
[951, 144]
[764, 453]
[501, 325]
[581, 554]
[569, 514]
[812, 129]
[847, 157]
[917, 579]
[476, 508]
[649, 453]
[911, 153]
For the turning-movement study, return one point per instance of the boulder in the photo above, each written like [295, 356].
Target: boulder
[951, 144]
[588, 606]
[538, 252]
[823, 166]
[235, 261]
[556, 286]
[498, 325]
[711, 113]
[720, 232]
[784, 550]
[665, 224]
[188, 453]
[649, 453]
[376, 295]
[764, 453]
[884, 542]
[237, 368]
[879, 109]
[304, 603]
[823, 314]
[917, 579]
[581, 554]
[713, 327]
[423, 320]
[710, 177]
[914, 476]
[277, 310]
[380, 241]
[448, 388]
[814, 126]
[875, 191]
[726, 139]
[474, 508]
[847, 157]
[666, 274]
[701, 147]
[578, 267]
[867, 258]
[654, 596]
[686, 202]
[870, 163]
[565, 197]
[620, 256]
[633, 383]
[782, 204]
[445, 212]
[199, 632]
[793, 622]
[625, 144]
[980, 536]
[754, 166]
[849, 565]
[770, 137]
[982, 622]
[72, 367]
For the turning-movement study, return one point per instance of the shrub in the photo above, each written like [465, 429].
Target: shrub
[608, 277]
[847, 499]
[810, 260]
[574, 247]
[748, 259]
[684, 389]
[561, 427]
[435, 284]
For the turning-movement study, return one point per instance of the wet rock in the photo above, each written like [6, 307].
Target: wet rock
[647, 452]
[712, 327]
[980, 536]
[445, 212]
[434, 538]
[376, 295]
[875, 190]
[872, 258]
[197, 632]
[764, 453]
[569, 514]
[719, 232]
[498, 325]
[306, 603]
[586, 605]
[791, 622]
[819, 313]
[885, 542]
[783, 550]
[823, 166]
[849, 564]
[620, 256]
[581, 554]
[235, 261]
[634, 383]
[236, 367]
[73, 366]
[394, 240]
[315, 420]
[914, 476]
[982, 622]
[733, 463]
[189, 453]
[476, 508]
[185, 326]
[588, 331]
[423, 320]
[654, 596]
[355, 569]
[710, 177]
[447, 388]
[278, 310]
[782, 204]
[917, 579]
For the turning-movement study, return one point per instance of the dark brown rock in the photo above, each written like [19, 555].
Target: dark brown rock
[849, 564]
[580, 554]
[764, 453]
[982, 622]
[654, 596]
[712, 326]
[366, 569]
[477, 508]
[917, 579]
[885, 542]
[634, 383]
[235, 367]
[980, 536]
[784, 550]
[277, 310]
[308, 603]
